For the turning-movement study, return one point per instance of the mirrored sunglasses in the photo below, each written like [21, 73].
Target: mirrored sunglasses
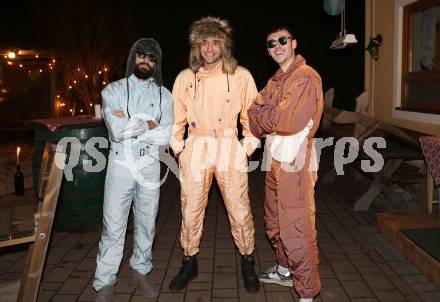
[143, 54]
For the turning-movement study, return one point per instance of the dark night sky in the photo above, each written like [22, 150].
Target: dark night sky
[313, 28]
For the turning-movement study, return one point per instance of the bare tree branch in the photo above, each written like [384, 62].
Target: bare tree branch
[92, 37]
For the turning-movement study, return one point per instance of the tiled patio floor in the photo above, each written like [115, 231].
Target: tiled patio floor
[357, 264]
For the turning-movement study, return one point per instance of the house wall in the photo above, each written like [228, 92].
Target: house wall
[382, 76]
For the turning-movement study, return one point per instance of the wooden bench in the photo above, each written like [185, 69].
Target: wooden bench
[402, 145]
[22, 226]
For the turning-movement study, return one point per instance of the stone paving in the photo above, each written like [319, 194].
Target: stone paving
[357, 264]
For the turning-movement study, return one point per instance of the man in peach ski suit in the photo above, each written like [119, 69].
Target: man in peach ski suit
[209, 96]
[290, 106]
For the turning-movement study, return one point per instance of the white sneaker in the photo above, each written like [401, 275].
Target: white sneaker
[272, 275]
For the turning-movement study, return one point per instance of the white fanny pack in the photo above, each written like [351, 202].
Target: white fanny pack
[285, 148]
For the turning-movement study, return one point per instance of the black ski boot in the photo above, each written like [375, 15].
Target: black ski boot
[188, 272]
[250, 278]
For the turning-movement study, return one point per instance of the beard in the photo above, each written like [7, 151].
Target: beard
[143, 73]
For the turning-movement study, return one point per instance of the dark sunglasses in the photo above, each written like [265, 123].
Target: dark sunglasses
[282, 40]
[143, 54]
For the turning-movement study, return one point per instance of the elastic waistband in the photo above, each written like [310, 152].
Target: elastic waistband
[227, 132]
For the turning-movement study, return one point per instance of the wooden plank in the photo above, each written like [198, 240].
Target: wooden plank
[37, 252]
[5, 222]
[17, 241]
[44, 173]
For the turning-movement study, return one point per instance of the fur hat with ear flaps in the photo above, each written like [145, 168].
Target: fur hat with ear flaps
[150, 46]
[211, 27]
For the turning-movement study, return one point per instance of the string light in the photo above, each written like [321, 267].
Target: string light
[36, 56]
[70, 110]
[11, 55]
[50, 68]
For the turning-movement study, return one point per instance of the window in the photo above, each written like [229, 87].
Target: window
[420, 89]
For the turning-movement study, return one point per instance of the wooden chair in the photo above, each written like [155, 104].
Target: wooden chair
[50, 177]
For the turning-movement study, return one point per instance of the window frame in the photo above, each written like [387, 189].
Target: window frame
[415, 77]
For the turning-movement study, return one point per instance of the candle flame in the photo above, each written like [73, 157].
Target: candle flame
[18, 156]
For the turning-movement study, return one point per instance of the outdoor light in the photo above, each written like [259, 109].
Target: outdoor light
[373, 46]
[21, 65]
[11, 55]
[343, 38]
[99, 72]
[36, 56]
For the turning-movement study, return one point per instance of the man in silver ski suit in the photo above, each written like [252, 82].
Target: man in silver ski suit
[138, 112]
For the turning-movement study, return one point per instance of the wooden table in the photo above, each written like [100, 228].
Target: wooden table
[402, 145]
[80, 201]
[394, 155]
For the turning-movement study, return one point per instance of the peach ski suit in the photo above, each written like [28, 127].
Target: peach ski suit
[290, 100]
[209, 102]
